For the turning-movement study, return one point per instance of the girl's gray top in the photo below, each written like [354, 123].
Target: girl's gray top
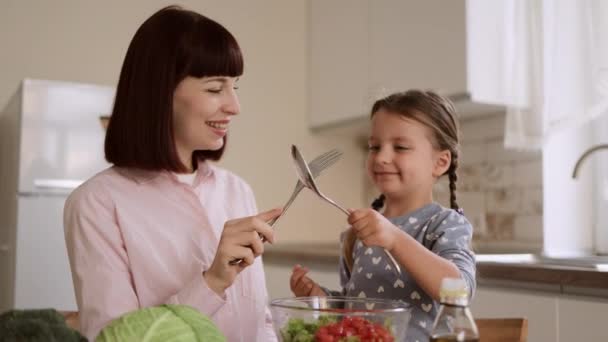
[443, 231]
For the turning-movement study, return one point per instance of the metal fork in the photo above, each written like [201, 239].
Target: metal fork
[317, 166]
[306, 177]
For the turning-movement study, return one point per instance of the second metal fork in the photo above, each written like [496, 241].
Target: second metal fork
[317, 166]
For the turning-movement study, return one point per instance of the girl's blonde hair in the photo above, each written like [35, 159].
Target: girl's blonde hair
[435, 112]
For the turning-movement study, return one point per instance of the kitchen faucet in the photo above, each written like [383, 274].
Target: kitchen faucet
[585, 155]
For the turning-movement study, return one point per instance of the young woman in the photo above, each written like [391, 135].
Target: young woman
[162, 224]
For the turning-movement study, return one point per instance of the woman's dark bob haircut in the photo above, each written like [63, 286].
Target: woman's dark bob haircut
[171, 45]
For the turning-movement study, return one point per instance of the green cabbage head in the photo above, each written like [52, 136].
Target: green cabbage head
[175, 323]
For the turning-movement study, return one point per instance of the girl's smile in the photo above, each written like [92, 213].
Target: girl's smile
[385, 175]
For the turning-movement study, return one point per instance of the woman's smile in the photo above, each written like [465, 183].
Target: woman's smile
[219, 127]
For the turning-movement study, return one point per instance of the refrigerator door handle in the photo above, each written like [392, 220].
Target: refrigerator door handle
[57, 184]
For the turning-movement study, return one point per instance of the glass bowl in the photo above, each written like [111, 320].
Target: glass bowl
[339, 319]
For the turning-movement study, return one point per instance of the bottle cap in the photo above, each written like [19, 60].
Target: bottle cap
[454, 291]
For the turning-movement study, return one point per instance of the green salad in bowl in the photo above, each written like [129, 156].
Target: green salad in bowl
[339, 319]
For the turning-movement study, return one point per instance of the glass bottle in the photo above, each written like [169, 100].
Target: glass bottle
[454, 321]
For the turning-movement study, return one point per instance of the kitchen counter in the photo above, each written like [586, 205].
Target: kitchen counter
[326, 253]
[578, 276]
[575, 275]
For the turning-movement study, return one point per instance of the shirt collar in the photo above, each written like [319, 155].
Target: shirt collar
[141, 176]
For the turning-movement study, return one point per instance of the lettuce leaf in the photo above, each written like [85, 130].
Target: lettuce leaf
[174, 323]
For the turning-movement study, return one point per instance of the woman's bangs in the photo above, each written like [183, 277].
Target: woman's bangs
[215, 54]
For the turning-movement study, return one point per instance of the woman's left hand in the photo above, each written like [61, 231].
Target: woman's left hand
[372, 228]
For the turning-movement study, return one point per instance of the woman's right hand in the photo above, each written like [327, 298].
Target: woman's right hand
[302, 286]
[240, 240]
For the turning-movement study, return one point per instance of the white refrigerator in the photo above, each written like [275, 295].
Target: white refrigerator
[51, 140]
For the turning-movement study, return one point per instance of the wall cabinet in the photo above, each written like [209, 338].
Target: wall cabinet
[361, 50]
[338, 76]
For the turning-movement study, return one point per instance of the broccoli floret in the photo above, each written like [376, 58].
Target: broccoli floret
[304, 336]
[50, 316]
[25, 330]
[298, 330]
[352, 339]
[36, 325]
[294, 327]
[325, 320]
[65, 333]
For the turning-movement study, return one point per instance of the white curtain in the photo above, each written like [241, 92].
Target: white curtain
[554, 64]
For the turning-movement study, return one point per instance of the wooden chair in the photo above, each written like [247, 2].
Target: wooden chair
[502, 329]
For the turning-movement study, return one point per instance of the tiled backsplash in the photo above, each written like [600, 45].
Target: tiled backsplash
[500, 190]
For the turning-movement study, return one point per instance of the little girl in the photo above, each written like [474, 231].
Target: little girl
[413, 142]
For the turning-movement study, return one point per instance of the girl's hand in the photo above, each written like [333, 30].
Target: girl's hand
[372, 228]
[302, 286]
[240, 240]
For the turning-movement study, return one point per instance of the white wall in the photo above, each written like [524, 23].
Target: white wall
[86, 41]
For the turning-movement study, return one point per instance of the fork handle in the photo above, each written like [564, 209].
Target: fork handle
[294, 194]
[391, 258]
[340, 207]
[396, 266]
